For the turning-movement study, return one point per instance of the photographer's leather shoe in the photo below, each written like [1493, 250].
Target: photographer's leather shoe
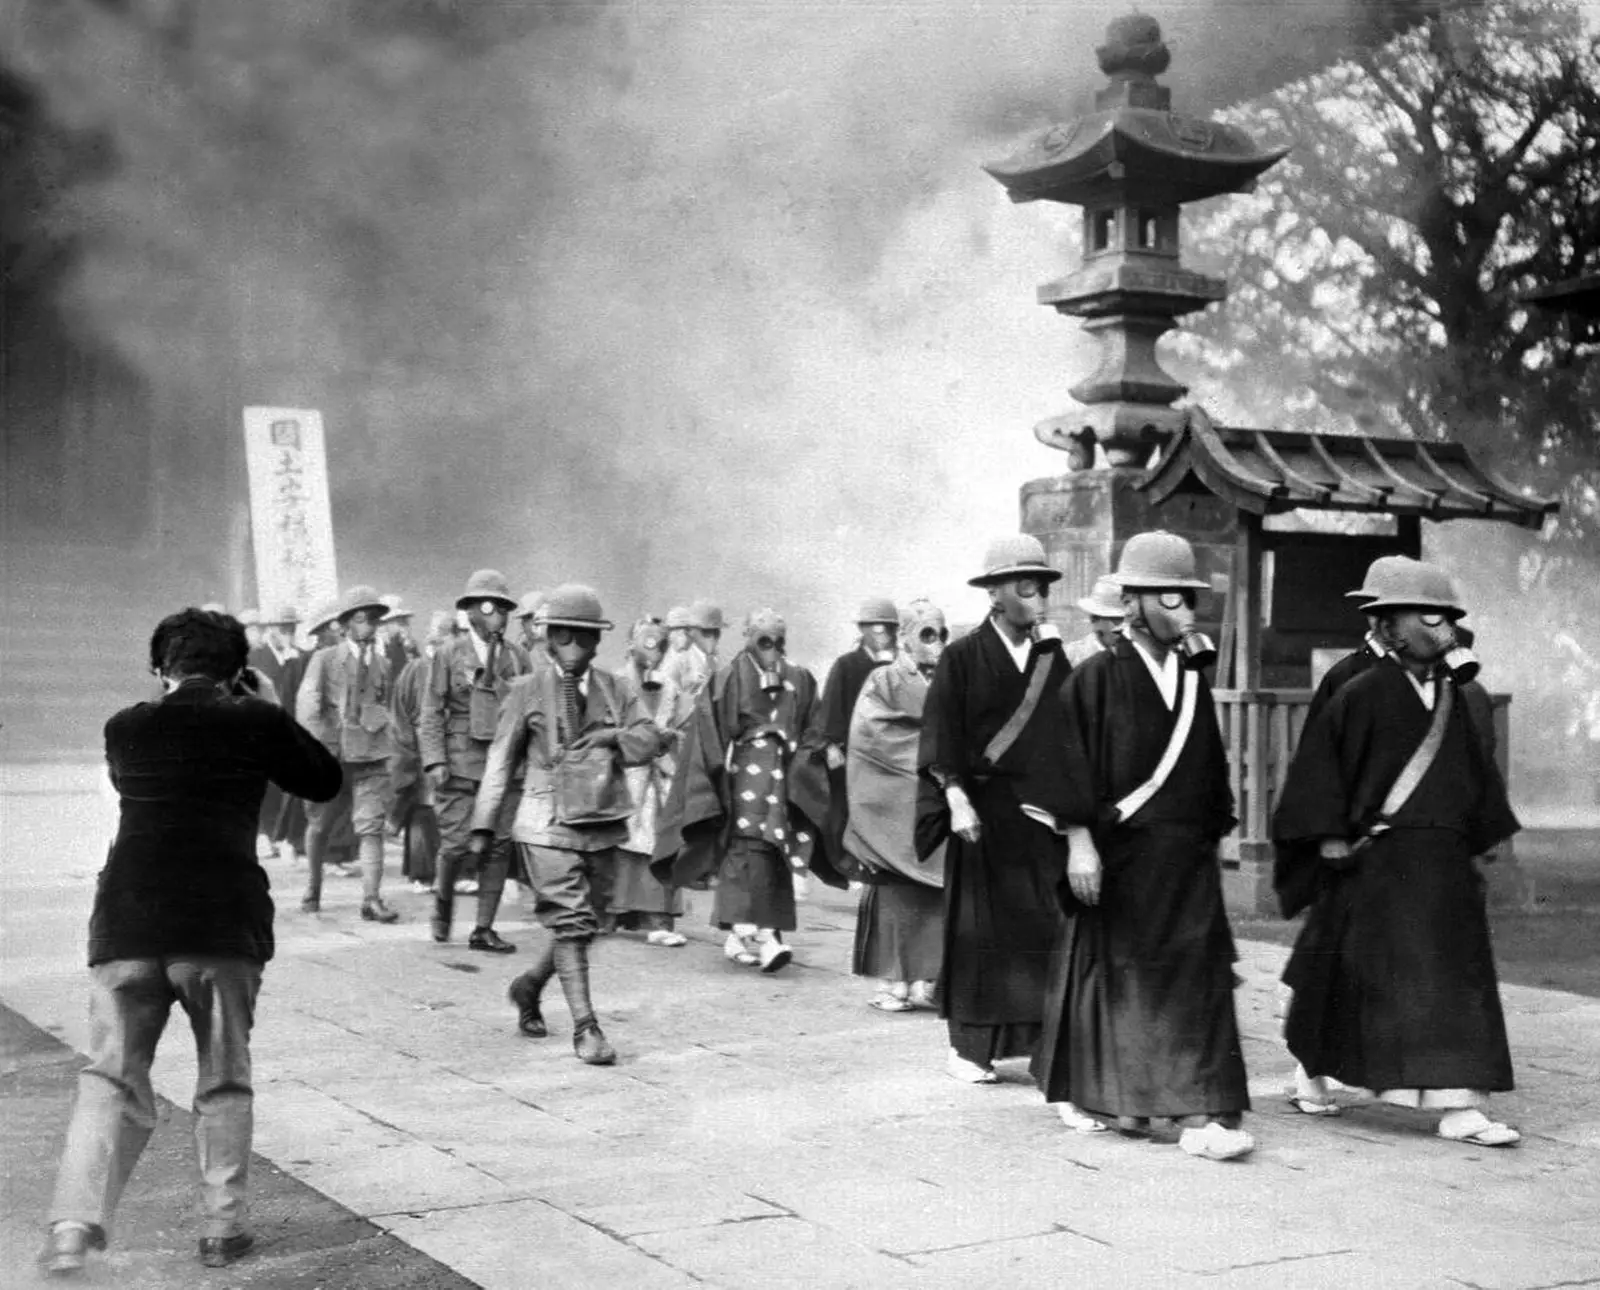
[490, 941]
[375, 911]
[219, 1251]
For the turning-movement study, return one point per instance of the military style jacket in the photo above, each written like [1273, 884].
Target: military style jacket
[461, 703]
[344, 702]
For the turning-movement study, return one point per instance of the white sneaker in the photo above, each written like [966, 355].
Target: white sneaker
[1216, 1143]
[958, 1067]
[774, 955]
[663, 937]
[736, 948]
[1077, 1121]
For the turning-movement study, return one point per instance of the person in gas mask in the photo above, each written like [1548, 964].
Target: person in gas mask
[989, 720]
[877, 621]
[900, 917]
[1140, 1022]
[750, 796]
[687, 670]
[637, 901]
[1103, 605]
[1393, 973]
[343, 699]
[467, 680]
[561, 718]
[532, 631]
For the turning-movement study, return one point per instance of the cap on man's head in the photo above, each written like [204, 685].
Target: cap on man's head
[765, 620]
[877, 610]
[283, 616]
[706, 616]
[1014, 556]
[397, 610]
[486, 584]
[1157, 561]
[1104, 601]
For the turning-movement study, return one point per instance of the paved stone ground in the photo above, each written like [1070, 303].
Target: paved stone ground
[775, 1131]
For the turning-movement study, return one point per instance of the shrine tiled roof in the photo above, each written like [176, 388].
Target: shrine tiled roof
[1270, 471]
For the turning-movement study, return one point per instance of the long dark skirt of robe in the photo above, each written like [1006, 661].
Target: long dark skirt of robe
[1145, 1024]
[1001, 917]
[1393, 972]
[899, 931]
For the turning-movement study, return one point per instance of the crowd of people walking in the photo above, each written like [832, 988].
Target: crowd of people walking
[1033, 826]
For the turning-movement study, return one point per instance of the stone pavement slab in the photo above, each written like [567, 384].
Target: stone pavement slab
[776, 1131]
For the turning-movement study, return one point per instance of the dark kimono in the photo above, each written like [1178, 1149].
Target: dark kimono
[265, 660]
[840, 691]
[410, 812]
[750, 796]
[1140, 1021]
[1393, 976]
[1001, 911]
[290, 824]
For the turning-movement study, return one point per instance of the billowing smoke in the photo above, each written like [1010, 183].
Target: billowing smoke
[676, 299]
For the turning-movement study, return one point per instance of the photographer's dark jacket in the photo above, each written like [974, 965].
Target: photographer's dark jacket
[182, 876]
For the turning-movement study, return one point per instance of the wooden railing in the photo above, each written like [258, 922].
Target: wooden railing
[1260, 730]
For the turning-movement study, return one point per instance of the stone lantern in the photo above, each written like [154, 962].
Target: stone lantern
[1130, 164]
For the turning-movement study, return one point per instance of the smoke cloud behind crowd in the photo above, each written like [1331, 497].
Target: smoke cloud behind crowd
[672, 298]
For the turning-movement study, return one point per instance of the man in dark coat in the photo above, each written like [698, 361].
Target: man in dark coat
[749, 802]
[1393, 974]
[1140, 1023]
[990, 708]
[878, 622]
[181, 915]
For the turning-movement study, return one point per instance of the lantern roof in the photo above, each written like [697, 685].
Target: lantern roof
[1270, 471]
[1133, 147]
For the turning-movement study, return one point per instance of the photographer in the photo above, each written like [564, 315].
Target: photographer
[182, 915]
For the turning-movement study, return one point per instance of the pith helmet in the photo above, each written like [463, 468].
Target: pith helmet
[399, 611]
[487, 584]
[1014, 556]
[528, 606]
[283, 616]
[1381, 575]
[573, 605]
[1105, 601]
[359, 598]
[765, 620]
[877, 610]
[322, 617]
[1421, 586]
[706, 616]
[678, 616]
[1157, 561]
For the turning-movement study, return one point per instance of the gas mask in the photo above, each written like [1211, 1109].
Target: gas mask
[923, 635]
[1169, 617]
[878, 639]
[360, 627]
[1428, 636]
[1021, 602]
[573, 648]
[488, 619]
[766, 639]
[706, 638]
[646, 649]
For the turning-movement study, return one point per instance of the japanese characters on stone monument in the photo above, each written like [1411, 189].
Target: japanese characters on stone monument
[290, 521]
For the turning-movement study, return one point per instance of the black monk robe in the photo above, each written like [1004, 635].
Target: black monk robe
[1001, 913]
[1140, 1020]
[1393, 976]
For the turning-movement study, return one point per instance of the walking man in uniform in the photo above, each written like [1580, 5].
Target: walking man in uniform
[468, 678]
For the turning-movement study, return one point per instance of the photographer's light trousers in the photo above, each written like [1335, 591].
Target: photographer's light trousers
[129, 1002]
